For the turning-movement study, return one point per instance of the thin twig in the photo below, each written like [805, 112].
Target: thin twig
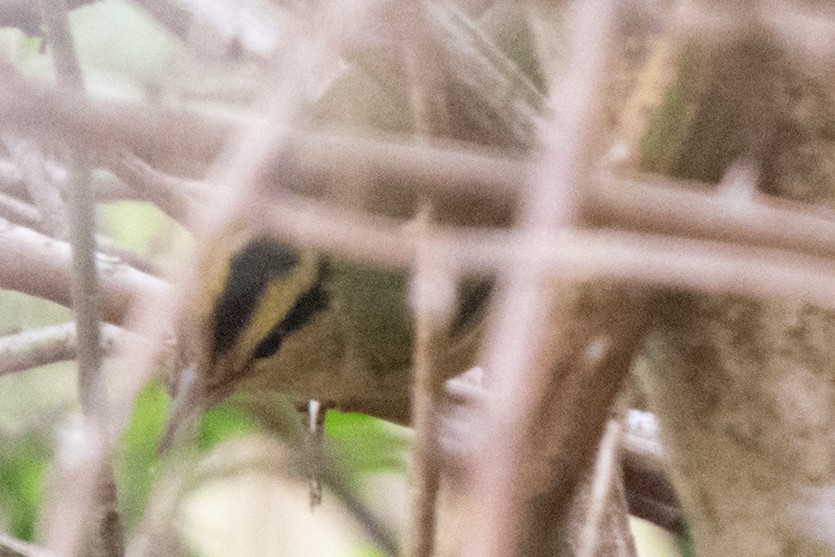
[41, 187]
[20, 212]
[173, 196]
[24, 214]
[106, 186]
[67, 530]
[47, 345]
[25, 549]
[517, 335]
[602, 479]
[82, 228]
[433, 300]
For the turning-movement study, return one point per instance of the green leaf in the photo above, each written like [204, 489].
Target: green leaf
[222, 422]
[23, 465]
[367, 444]
[136, 455]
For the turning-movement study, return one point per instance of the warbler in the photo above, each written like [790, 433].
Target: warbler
[278, 318]
[267, 315]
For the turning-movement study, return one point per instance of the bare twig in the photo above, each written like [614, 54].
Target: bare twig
[602, 479]
[172, 195]
[82, 225]
[639, 202]
[67, 529]
[517, 370]
[433, 300]
[20, 212]
[48, 345]
[105, 185]
[25, 549]
[40, 186]
[108, 248]
[40, 266]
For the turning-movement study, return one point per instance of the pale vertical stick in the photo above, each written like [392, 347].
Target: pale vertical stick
[549, 203]
[67, 537]
[432, 297]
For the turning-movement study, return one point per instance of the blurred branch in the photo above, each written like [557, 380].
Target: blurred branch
[694, 210]
[106, 186]
[226, 28]
[48, 345]
[174, 196]
[24, 214]
[604, 479]
[522, 359]
[650, 203]
[599, 499]
[635, 258]
[26, 15]
[20, 212]
[24, 549]
[40, 266]
[648, 490]
[37, 265]
[67, 530]
[50, 216]
[41, 188]
[154, 133]
[433, 302]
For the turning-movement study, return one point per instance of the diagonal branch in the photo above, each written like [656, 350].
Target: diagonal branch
[47, 345]
[40, 266]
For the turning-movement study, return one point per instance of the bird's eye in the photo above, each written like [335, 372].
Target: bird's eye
[251, 271]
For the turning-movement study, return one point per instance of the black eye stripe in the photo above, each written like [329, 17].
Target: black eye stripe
[311, 302]
[251, 271]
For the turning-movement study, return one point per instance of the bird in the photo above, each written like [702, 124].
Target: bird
[274, 317]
